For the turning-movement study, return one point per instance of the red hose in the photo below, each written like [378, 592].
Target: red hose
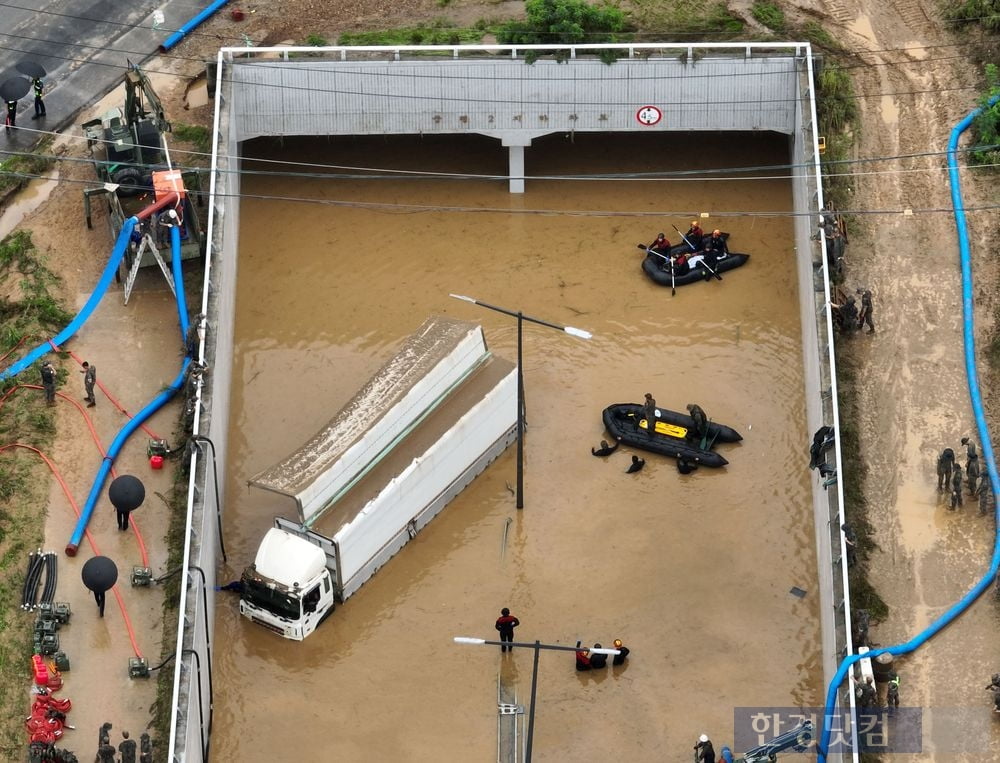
[7, 354]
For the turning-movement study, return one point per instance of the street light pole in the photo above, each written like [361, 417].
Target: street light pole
[521, 317]
[537, 646]
[519, 503]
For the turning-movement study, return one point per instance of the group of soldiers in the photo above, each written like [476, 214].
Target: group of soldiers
[952, 477]
[852, 319]
[127, 747]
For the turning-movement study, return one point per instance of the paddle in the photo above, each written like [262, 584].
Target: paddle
[704, 260]
[673, 283]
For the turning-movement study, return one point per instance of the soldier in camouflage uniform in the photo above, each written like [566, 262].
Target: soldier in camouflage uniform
[972, 473]
[865, 317]
[945, 465]
[956, 489]
[985, 492]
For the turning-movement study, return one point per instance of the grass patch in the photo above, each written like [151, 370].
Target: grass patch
[768, 14]
[200, 137]
[31, 314]
[686, 19]
[317, 41]
[13, 169]
[855, 471]
[440, 32]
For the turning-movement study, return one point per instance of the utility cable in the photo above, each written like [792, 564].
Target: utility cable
[397, 208]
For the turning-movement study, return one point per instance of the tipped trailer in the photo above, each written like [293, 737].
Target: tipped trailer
[422, 428]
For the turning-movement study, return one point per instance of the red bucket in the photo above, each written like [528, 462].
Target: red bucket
[156, 462]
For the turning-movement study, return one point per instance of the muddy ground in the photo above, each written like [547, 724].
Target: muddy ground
[915, 85]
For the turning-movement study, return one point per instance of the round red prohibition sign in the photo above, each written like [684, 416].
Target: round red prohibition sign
[649, 115]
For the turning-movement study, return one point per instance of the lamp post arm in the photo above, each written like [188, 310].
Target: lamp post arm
[534, 645]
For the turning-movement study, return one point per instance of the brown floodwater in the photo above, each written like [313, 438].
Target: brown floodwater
[692, 572]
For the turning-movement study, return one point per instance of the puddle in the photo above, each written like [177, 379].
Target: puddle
[196, 93]
[26, 201]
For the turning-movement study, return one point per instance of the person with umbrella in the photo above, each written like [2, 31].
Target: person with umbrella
[35, 71]
[12, 90]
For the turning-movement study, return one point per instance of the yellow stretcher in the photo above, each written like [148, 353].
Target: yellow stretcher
[662, 427]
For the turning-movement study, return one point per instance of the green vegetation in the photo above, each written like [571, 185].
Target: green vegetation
[863, 594]
[28, 312]
[768, 14]
[569, 21]
[986, 126]
[317, 41]
[982, 13]
[440, 32]
[818, 36]
[200, 136]
[16, 171]
[837, 114]
[707, 20]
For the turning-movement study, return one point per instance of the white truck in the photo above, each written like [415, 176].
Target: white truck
[430, 420]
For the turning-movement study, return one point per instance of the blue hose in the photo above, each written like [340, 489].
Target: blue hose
[92, 302]
[175, 264]
[154, 405]
[179, 35]
[984, 435]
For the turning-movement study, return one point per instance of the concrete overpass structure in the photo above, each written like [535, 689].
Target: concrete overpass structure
[492, 91]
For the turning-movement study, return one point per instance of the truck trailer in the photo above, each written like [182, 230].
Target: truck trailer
[422, 428]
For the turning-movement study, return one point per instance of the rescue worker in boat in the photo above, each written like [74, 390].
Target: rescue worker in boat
[700, 429]
[661, 245]
[605, 449]
[681, 265]
[598, 661]
[649, 413]
[717, 244]
[694, 236]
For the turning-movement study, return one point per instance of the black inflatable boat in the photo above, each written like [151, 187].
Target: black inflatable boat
[658, 268]
[626, 423]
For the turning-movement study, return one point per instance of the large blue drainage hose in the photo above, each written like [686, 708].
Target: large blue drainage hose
[154, 405]
[179, 35]
[984, 437]
[92, 302]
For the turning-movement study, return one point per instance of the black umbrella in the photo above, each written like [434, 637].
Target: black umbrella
[126, 493]
[30, 68]
[14, 89]
[99, 574]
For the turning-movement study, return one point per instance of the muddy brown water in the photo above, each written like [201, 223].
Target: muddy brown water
[692, 572]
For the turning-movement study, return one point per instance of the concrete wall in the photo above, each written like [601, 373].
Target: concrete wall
[192, 699]
[466, 89]
[821, 390]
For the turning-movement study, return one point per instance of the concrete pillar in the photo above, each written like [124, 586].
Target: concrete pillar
[515, 145]
[516, 168]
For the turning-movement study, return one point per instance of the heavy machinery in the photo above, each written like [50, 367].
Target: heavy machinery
[127, 148]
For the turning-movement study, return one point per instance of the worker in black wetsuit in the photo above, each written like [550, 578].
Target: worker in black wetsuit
[598, 661]
[649, 413]
[619, 659]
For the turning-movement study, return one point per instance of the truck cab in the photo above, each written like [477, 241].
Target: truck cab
[288, 589]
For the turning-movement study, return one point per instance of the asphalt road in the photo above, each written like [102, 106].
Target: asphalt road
[84, 46]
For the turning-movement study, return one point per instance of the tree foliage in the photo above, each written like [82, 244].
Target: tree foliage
[569, 21]
[986, 125]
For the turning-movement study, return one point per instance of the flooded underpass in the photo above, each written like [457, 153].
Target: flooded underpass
[693, 572]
